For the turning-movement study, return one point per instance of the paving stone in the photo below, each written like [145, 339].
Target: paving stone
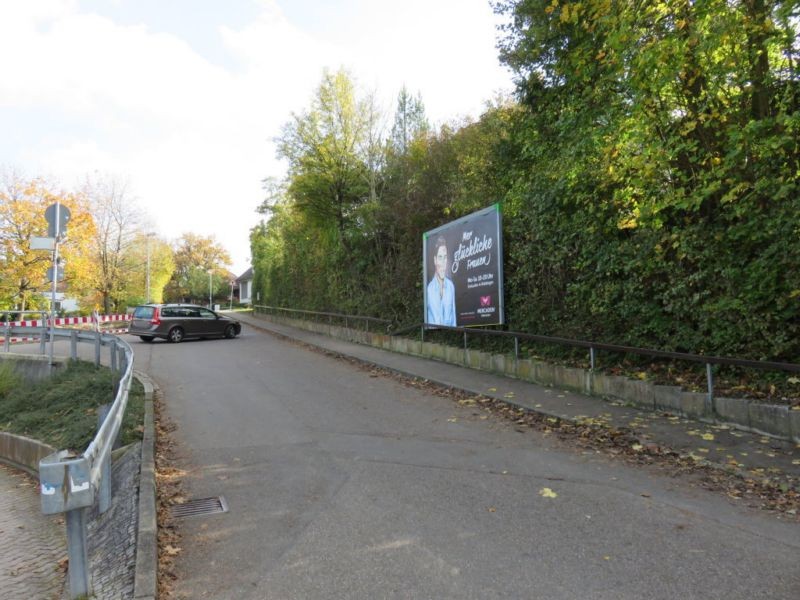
[33, 543]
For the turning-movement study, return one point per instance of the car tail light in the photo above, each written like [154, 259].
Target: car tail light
[156, 320]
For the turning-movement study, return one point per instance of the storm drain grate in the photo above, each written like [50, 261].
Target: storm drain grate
[199, 507]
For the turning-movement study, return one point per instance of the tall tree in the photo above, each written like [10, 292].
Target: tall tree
[410, 121]
[194, 256]
[119, 223]
[660, 179]
[325, 148]
[150, 258]
[23, 272]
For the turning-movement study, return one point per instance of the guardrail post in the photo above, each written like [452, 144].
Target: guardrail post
[43, 340]
[516, 348]
[79, 580]
[104, 497]
[66, 487]
[7, 342]
[113, 350]
[710, 397]
[123, 361]
[73, 344]
[97, 348]
[591, 357]
[422, 333]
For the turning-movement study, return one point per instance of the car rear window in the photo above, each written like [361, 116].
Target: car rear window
[143, 312]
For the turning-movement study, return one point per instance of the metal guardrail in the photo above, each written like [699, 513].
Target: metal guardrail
[386, 323]
[70, 484]
[592, 347]
[5, 315]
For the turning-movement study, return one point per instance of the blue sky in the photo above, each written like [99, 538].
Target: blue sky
[182, 98]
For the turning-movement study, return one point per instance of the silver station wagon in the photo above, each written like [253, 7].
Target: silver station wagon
[177, 322]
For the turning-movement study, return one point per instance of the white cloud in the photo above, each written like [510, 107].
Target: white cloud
[194, 138]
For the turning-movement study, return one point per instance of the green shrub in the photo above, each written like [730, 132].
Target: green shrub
[9, 379]
[62, 410]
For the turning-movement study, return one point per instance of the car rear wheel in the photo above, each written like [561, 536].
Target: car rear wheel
[146, 338]
[230, 332]
[175, 335]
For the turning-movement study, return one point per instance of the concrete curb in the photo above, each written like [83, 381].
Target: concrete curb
[23, 453]
[146, 571]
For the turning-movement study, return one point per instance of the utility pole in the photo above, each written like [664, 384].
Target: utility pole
[147, 278]
[210, 304]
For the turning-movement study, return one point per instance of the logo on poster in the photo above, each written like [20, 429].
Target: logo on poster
[486, 306]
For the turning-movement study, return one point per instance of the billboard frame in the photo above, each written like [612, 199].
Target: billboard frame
[497, 250]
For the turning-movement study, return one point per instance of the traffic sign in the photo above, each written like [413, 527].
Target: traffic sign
[50, 274]
[43, 243]
[57, 212]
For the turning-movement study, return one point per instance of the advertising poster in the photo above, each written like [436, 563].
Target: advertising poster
[463, 271]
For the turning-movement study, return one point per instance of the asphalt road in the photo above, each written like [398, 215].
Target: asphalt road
[342, 484]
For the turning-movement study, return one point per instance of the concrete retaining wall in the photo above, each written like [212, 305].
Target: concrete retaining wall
[32, 367]
[23, 453]
[777, 421]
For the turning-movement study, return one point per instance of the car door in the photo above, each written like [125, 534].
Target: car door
[208, 322]
[142, 318]
[189, 319]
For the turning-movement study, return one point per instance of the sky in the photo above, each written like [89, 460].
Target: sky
[183, 99]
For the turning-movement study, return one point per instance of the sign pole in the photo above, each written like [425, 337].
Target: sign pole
[55, 283]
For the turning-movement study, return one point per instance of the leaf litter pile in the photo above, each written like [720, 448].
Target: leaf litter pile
[169, 492]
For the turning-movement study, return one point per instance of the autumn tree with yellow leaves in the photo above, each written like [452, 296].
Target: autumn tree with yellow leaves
[23, 271]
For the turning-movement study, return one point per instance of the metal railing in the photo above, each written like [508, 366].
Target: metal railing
[592, 347]
[70, 484]
[5, 315]
[330, 316]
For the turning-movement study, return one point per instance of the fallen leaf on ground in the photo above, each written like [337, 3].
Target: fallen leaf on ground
[708, 436]
[547, 493]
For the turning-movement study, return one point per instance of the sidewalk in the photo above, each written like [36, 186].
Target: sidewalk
[33, 544]
[752, 454]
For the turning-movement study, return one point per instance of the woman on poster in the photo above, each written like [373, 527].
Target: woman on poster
[441, 293]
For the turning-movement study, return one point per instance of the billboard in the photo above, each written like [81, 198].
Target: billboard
[463, 271]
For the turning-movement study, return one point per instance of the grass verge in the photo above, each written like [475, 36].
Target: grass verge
[62, 410]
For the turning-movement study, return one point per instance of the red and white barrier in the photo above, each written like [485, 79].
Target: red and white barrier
[61, 321]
